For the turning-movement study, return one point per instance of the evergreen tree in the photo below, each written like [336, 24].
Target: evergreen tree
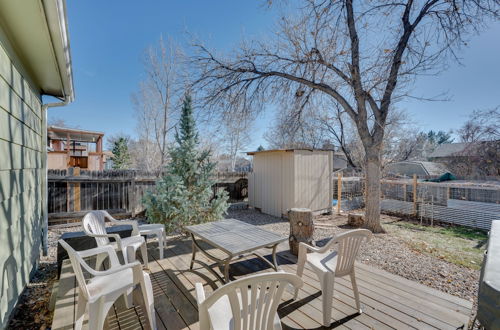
[184, 195]
[439, 137]
[121, 155]
[260, 148]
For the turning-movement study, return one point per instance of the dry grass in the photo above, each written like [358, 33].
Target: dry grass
[459, 245]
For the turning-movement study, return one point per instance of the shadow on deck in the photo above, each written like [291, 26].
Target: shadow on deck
[388, 301]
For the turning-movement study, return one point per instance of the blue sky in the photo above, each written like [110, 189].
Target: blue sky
[108, 39]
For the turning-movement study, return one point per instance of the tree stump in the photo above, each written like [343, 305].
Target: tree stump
[301, 228]
[356, 220]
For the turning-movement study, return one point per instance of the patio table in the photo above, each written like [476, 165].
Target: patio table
[236, 239]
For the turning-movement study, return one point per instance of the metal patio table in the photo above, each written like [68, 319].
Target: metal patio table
[235, 238]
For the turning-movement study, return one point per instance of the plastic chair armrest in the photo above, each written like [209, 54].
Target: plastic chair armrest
[304, 246]
[113, 270]
[134, 239]
[116, 237]
[113, 258]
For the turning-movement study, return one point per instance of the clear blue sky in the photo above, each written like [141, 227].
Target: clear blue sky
[108, 39]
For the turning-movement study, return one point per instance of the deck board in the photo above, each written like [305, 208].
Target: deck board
[388, 301]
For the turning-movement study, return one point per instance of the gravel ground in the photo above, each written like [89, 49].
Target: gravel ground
[384, 251]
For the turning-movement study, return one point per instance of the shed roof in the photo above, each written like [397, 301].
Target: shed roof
[449, 149]
[285, 150]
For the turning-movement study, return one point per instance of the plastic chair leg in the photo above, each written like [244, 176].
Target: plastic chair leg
[98, 312]
[327, 293]
[356, 292]
[144, 255]
[80, 311]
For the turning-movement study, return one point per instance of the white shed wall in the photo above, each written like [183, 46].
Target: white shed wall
[313, 184]
[282, 180]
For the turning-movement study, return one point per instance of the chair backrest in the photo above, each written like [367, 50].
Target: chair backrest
[348, 245]
[259, 295]
[94, 223]
[76, 263]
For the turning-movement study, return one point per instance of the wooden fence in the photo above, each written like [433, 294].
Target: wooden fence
[73, 192]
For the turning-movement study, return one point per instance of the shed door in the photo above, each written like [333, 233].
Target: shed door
[271, 183]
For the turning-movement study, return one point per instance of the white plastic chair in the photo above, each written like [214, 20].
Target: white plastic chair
[249, 303]
[94, 226]
[99, 293]
[328, 264]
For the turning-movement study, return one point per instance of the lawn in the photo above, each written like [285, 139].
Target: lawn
[456, 244]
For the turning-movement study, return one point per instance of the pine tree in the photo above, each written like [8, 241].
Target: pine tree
[184, 195]
[121, 156]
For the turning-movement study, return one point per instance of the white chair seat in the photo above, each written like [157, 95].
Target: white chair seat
[323, 262]
[101, 285]
[221, 319]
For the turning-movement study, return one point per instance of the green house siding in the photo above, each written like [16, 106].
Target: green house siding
[21, 178]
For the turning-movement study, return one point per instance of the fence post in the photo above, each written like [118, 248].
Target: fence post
[76, 191]
[339, 191]
[131, 196]
[415, 195]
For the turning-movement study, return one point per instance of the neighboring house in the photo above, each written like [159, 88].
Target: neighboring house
[452, 151]
[34, 61]
[420, 168]
[68, 147]
[476, 159]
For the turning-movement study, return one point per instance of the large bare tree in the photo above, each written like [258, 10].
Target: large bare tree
[364, 55]
[157, 102]
[236, 134]
[481, 154]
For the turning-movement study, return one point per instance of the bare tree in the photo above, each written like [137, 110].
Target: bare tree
[482, 125]
[481, 154]
[236, 134]
[157, 101]
[59, 122]
[291, 130]
[362, 54]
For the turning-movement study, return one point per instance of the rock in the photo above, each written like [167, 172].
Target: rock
[356, 220]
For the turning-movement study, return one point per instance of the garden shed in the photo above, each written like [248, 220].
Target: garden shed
[291, 178]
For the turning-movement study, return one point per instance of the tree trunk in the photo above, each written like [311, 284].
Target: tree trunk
[301, 228]
[372, 198]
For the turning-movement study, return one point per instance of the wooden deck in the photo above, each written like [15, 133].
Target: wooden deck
[388, 301]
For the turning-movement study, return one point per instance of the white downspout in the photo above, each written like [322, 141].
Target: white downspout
[45, 193]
